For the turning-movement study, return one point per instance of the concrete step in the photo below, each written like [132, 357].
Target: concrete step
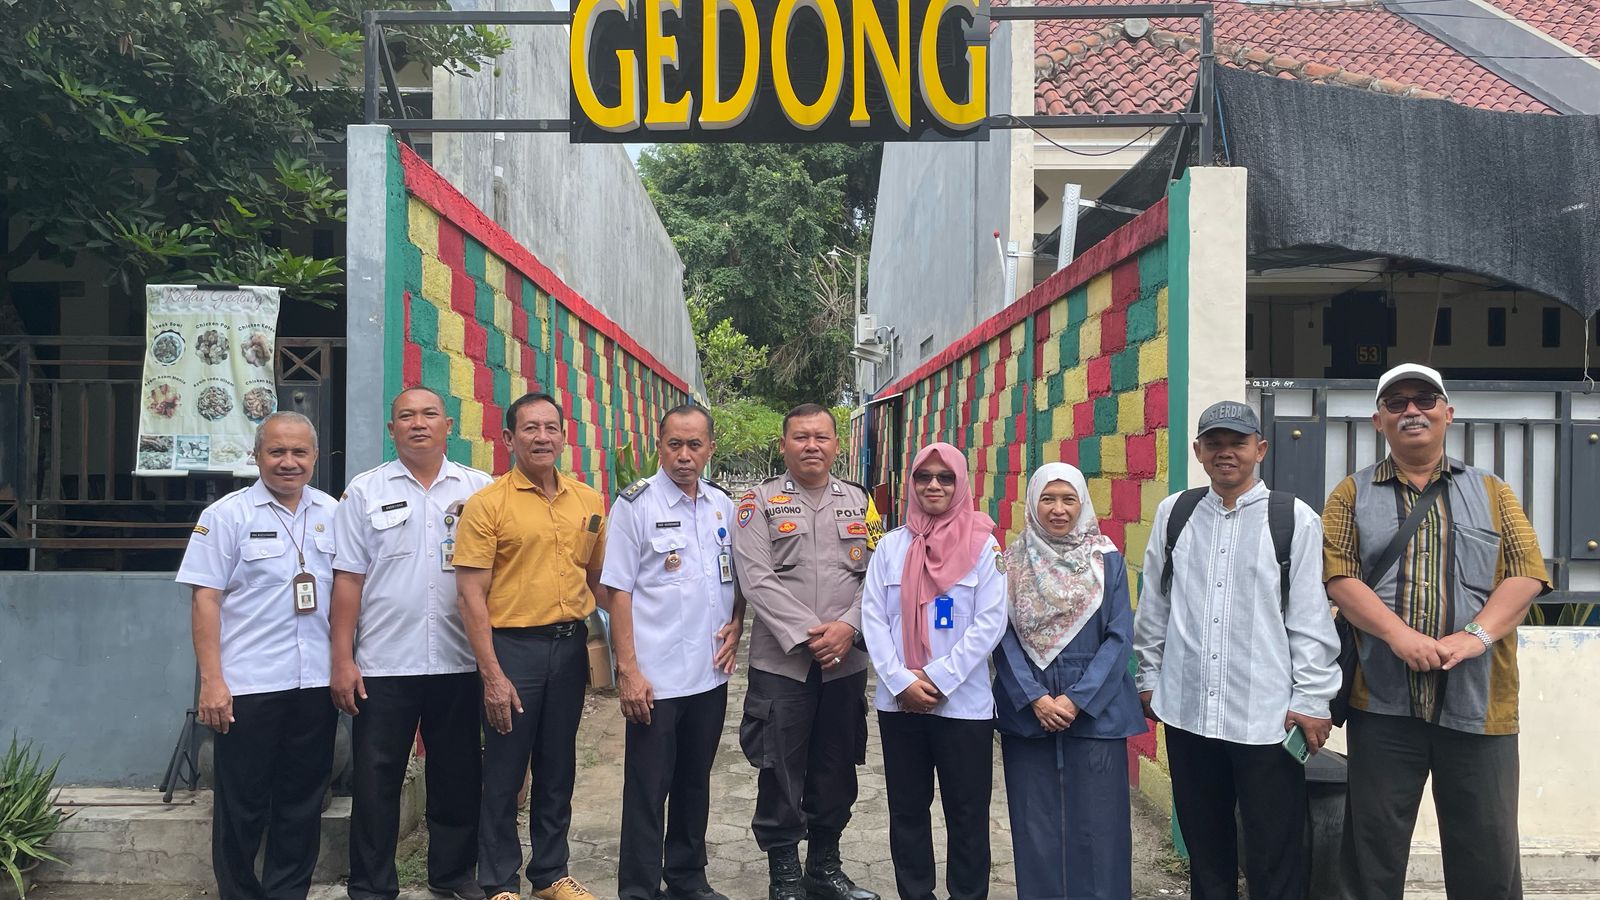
[1551, 866]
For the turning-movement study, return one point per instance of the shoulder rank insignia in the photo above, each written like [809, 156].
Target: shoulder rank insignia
[776, 499]
[632, 491]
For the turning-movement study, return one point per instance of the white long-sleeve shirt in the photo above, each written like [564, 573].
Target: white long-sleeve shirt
[957, 656]
[1223, 660]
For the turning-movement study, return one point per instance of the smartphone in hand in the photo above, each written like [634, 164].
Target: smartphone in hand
[1294, 743]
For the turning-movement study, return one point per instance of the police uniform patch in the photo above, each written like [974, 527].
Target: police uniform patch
[999, 562]
[747, 496]
[855, 554]
[201, 530]
[859, 529]
[746, 513]
[779, 498]
[786, 527]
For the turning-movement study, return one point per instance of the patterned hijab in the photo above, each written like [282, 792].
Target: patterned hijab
[1056, 583]
[943, 548]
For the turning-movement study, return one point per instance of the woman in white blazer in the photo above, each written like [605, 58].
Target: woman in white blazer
[932, 610]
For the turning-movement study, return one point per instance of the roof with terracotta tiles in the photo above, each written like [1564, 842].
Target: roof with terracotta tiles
[1575, 23]
[1100, 66]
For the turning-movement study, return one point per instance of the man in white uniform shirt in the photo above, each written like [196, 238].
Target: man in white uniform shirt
[1233, 653]
[401, 657]
[675, 624]
[260, 562]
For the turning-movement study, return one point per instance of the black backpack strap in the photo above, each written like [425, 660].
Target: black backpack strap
[1408, 528]
[1280, 522]
[1182, 509]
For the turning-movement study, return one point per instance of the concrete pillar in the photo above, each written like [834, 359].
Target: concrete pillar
[367, 148]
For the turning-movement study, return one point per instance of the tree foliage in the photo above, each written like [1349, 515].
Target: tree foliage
[728, 362]
[752, 222]
[168, 138]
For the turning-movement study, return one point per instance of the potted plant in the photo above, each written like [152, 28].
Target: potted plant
[28, 816]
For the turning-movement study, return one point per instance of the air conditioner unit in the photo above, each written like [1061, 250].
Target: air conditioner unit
[867, 329]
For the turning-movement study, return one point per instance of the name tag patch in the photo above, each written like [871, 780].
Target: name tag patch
[672, 524]
[391, 507]
[261, 535]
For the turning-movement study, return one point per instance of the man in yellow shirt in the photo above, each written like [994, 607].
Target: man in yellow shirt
[528, 556]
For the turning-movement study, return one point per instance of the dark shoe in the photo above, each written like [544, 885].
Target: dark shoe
[783, 868]
[467, 891]
[705, 893]
[825, 878]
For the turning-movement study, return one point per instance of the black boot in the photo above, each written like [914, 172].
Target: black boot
[783, 869]
[825, 878]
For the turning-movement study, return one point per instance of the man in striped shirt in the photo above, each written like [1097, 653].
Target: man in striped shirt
[1435, 689]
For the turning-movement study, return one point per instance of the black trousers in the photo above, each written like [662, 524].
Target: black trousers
[549, 674]
[806, 737]
[1210, 778]
[1475, 778]
[668, 764]
[446, 707]
[271, 770]
[961, 753]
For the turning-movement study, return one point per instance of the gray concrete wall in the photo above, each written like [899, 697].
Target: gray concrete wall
[97, 667]
[935, 270]
[580, 208]
[367, 152]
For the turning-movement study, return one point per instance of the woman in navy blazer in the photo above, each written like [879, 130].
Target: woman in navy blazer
[1064, 697]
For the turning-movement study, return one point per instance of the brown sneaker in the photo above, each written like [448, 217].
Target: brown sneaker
[506, 895]
[565, 889]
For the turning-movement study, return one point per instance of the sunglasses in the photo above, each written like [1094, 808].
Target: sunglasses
[1397, 405]
[948, 479]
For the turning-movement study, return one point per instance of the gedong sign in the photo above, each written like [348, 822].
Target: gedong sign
[777, 70]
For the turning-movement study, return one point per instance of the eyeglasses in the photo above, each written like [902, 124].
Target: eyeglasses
[1397, 405]
[948, 479]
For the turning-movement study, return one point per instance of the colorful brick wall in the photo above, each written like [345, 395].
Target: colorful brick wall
[485, 322]
[1074, 371]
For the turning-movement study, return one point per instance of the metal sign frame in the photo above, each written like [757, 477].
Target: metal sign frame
[379, 64]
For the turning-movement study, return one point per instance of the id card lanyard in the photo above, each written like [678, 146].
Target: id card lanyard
[303, 583]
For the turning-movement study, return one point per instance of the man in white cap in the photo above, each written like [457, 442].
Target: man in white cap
[1433, 563]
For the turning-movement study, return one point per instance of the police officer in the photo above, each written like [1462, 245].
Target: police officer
[801, 549]
[260, 562]
[675, 626]
[400, 654]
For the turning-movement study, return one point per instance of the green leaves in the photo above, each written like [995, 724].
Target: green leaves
[28, 815]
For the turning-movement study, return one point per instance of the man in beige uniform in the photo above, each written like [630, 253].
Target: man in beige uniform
[801, 551]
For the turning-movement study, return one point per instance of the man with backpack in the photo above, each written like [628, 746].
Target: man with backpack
[1237, 649]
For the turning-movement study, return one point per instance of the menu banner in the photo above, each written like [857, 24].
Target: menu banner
[209, 378]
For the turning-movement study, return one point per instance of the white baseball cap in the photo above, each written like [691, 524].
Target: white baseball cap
[1411, 372]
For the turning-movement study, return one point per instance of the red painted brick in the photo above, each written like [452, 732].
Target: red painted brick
[514, 287]
[1014, 454]
[1005, 344]
[1113, 331]
[1155, 405]
[530, 367]
[1003, 521]
[1099, 376]
[483, 385]
[452, 245]
[1125, 499]
[475, 341]
[494, 420]
[519, 323]
[1125, 284]
[1083, 419]
[502, 458]
[411, 369]
[987, 434]
[406, 299]
[1113, 529]
[1142, 456]
[994, 406]
[1069, 451]
[463, 294]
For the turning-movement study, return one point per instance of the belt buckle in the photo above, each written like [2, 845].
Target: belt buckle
[566, 629]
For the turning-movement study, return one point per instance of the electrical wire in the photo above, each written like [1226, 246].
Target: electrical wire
[1141, 136]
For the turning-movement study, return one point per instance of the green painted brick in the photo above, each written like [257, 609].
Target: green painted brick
[1056, 390]
[411, 269]
[452, 406]
[1153, 267]
[1142, 320]
[459, 450]
[502, 386]
[435, 369]
[494, 350]
[1077, 306]
[1125, 370]
[1069, 348]
[1105, 415]
[485, 301]
[424, 322]
[474, 258]
[1089, 456]
[530, 298]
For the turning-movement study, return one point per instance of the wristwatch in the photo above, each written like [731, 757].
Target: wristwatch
[1476, 630]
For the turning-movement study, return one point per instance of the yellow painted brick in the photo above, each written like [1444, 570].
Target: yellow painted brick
[502, 312]
[1051, 451]
[1061, 422]
[1052, 357]
[471, 416]
[1151, 493]
[1074, 388]
[1136, 536]
[1005, 404]
[494, 273]
[513, 356]
[452, 333]
[1161, 311]
[1100, 493]
[1162, 449]
[483, 456]
[1099, 294]
[1130, 410]
[1113, 456]
[1153, 359]
[461, 379]
[436, 278]
[1041, 394]
[1089, 338]
[422, 227]
[1019, 336]
[1058, 316]
[1011, 370]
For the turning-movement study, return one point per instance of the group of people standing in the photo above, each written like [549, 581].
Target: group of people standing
[458, 605]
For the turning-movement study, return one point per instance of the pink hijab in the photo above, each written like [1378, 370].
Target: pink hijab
[943, 548]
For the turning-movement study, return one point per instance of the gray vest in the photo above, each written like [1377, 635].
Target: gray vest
[1472, 553]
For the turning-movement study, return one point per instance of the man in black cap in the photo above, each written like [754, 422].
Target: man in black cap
[1237, 653]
